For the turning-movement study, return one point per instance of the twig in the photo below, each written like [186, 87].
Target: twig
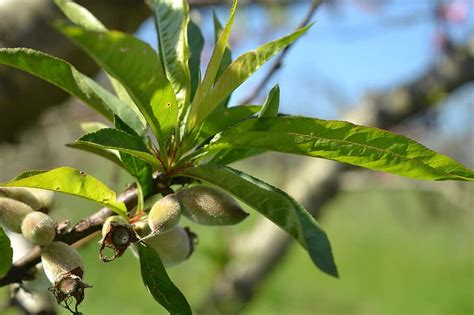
[279, 61]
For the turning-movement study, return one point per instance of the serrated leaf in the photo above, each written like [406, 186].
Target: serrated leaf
[345, 142]
[198, 111]
[6, 251]
[137, 67]
[242, 68]
[226, 58]
[65, 76]
[139, 169]
[195, 44]
[171, 19]
[274, 204]
[70, 181]
[159, 284]
[85, 19]
[109, 138]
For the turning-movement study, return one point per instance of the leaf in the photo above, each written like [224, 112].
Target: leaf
[6, 257]
[228, 156]
[136, 65]
[139, 169]
[342, 141]
[85, 19]
[195, 44]
[109, 138]
[198, 111]
[111, 155]
[274, 204]
[70, 181]
[222, 119]
[171, 19]
[159, 284]
[272, 103]
[242, 68]
[226, 58]
[80, 15]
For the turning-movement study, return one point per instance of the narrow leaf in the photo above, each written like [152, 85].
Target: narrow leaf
[242, 68]
[276, 205]
[159, 284]
[272, 103]
[226, 58]
[65, 76]
[110, 138]
[342, 141]
[136, 65]
[198, 111]
[70, 181]
[195, 44]
[171, 19]
[6, 253]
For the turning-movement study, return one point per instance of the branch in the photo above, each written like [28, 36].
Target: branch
[279, 61]
[22, 268]
[316, 182]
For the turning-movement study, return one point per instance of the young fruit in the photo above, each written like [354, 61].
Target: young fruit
[45, 197]
[64, 268]
[209, 206]
[164, 215]
[12, 213]
[37, 199]
[174, 246]
[38, 228]
[118, 235]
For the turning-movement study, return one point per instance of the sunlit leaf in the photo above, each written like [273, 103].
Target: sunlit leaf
[272, 103]
[276, 205]
[195, 43]
[70, 181]
[226, 58]
[342, 141]
[159, 284]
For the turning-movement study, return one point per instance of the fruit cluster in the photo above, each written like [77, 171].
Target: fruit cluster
[24, 210]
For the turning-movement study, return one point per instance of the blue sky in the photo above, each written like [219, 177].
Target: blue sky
[347, 53]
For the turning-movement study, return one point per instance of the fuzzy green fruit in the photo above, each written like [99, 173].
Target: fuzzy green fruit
[38, 228]
[45, 197]
[165, 214]
[38, 199]
[173, 247]
[209, 206]
[12, 213]
[58, 259]
[116, 219]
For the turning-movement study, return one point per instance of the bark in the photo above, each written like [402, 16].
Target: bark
[315, 182]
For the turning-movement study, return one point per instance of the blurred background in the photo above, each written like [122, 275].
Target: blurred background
[402, 246]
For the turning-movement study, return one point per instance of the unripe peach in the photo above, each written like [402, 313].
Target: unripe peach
[12, 213]
[58, 259]
[164, 215]
[115, 218]
[210, 206]
[118, 235]
[174, 246]
[45, 197]
[38, 228]
[22, 194]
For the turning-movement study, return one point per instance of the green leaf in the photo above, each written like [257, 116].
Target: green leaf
[65, 76]
[136, 65]
[7, 253]
[222, 119]
[159, 284]
[242, 68]
[198, 111]
[195, 44]
[171, 19]
[109, 138]
[274, 204]
[80, 15]
[228, 156]
[85, 19]
[272, 103]
[139, 169]
[342, 141]
[70, 181]
[226, 58]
